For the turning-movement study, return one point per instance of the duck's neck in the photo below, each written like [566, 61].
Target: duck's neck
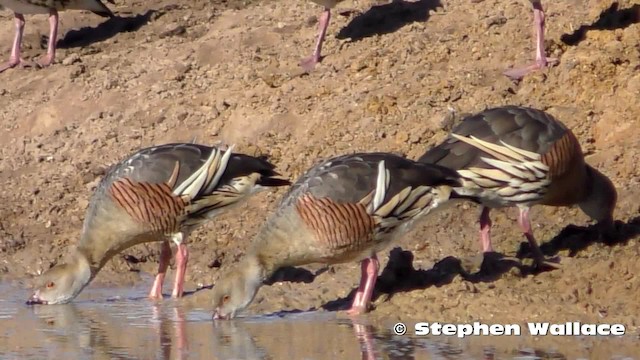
[107, 231]
[81, 268]
[98, 247]
[281, 242]
[255, 269]
[267, 256]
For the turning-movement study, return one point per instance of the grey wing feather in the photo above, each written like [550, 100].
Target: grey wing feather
[156, 165]
[525, 128]
[350, 178]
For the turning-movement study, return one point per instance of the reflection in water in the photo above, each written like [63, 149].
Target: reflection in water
[66, 331]
[367, 345]
[170, 332]
[233, 341]
[136, 328]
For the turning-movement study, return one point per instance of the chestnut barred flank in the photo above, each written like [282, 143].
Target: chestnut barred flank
[336, 225]
[150, 204]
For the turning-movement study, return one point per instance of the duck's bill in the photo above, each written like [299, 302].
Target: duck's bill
[35, 300]
[218, 316]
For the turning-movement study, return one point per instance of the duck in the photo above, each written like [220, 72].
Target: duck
[347, 208]
[515, 156]
[51, 7]
[309, 63]
[158, 194]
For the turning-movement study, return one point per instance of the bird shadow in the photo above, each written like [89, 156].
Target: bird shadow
[399, 275]
[88, 35]
[197, 290]
[285, 313]
[293, 274]
[285, 274]
[387, 18]
[610, 19]
[572, 238]
[185, 294]
[578, 238]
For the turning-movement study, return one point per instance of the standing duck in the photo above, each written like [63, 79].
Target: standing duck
[542, 60]
[517, 156]
[50, 7]
[310, 62]
[157, 194]
[345, 209]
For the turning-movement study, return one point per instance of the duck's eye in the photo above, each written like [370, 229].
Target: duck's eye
[50, 284]
[225, 299]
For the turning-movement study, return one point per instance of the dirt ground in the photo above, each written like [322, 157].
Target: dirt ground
[396, 76]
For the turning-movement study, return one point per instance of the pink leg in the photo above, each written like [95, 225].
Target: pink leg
[53, 36]
[542, 60]
[165, 257]
[309, 63]
[370, 267]
[485, 230]
[525, 225]
[182, 256]
[364, 264]
[15, 59]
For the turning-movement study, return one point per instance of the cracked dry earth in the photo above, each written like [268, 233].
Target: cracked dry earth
[396, 77]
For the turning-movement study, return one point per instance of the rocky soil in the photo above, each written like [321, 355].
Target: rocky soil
[396, 77]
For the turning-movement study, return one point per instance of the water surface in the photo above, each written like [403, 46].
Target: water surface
[99, 325]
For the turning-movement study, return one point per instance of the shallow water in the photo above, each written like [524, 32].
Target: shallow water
[128, 326]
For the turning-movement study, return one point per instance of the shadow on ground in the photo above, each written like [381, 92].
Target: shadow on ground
[387, 18]
[400, 276]
[89, 35]
[113, 26]
[577, 238]
[610, 19]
